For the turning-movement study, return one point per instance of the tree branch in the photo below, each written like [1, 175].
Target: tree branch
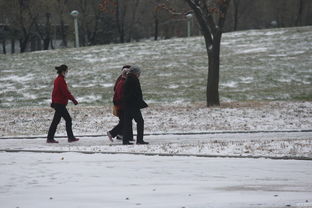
[201, 20]
[224, 4]
[208, 17]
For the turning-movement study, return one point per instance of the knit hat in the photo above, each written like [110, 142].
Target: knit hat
[134, 70]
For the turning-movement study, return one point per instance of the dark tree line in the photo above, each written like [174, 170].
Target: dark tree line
[33, 24]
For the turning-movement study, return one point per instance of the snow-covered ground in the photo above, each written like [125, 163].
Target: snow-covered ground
[120, 179]
[276, 145]
[257, 65]
[73, 180]
[96, 120]
[260, 65]
[113, 177]
[166, 124]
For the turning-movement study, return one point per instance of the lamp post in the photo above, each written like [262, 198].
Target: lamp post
[75, 14]
[189, 17]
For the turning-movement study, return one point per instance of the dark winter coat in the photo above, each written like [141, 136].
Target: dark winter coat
[132, 94]
[60, 93]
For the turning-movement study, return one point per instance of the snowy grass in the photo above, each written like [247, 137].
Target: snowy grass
[247, 116]
[255, 65]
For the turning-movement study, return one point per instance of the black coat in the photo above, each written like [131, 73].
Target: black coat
[132, 97]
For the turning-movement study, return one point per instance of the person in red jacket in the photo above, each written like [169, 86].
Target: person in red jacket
[60, 97]
[117, 101]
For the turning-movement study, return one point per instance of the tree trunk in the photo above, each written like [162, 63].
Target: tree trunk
[156, 28]
[61, 8]
[24, 41]
[23, 44]
[12, 45]
[4, 46]
[212, 32]
[299, 14]
[120, 21]
[47, 38]
[212, 91]
[235, 6]
[133, 11]
[63, 33]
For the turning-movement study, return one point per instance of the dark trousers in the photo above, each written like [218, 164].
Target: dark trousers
[135, 114]
[60, 111]
[118, 129]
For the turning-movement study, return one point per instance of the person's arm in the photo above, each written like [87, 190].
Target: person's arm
[66, 92]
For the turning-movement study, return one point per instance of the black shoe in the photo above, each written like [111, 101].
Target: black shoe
[132, 140]
[142, 142]
[52, 141]
[73, 140]
[126, 142]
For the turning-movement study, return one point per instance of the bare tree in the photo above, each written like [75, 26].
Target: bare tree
[156, 21]
[25, 23]
[133, 15]
[61, 9]
[211, 16]
[118, 8]
[236, 4]
[43, 30]
[121, 9]
[125, 12]
[299, 13]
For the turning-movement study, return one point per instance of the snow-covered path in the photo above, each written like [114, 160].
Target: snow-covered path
[261, 144]
[72, 180]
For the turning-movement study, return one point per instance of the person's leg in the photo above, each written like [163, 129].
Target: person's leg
[68, 120]
[131, 132]
[56, 120]
[117, 130]
[127, 120]
[137, 115]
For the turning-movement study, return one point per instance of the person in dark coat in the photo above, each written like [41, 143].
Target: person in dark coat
[60, 97]
[117, 101]
[132, 104]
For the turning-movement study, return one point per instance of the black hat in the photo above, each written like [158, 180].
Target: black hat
[61, 68]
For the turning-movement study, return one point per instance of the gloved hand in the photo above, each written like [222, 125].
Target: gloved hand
[75, 101]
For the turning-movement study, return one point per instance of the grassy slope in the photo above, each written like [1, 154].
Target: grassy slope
[255, 65]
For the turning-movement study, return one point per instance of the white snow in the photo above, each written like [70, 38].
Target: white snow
[115, 176]
[177, 117]
[75, 180]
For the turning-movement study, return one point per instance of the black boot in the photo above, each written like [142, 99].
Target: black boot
[142, 142]
[52, 141]
[126, 142]
[73, 140]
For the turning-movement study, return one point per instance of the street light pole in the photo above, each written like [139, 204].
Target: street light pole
[189, 17]
[75, 14]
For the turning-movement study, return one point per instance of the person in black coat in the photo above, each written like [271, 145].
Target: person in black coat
[132, 104]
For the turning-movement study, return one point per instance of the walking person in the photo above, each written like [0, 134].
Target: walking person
[117, 100]
[60, 97]
[132, 104]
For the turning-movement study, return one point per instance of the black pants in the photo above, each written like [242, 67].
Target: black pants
[118, 129]
[60, 111]
[135, 114]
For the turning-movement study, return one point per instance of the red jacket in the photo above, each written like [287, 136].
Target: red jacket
[119, 88]
[60, 93]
